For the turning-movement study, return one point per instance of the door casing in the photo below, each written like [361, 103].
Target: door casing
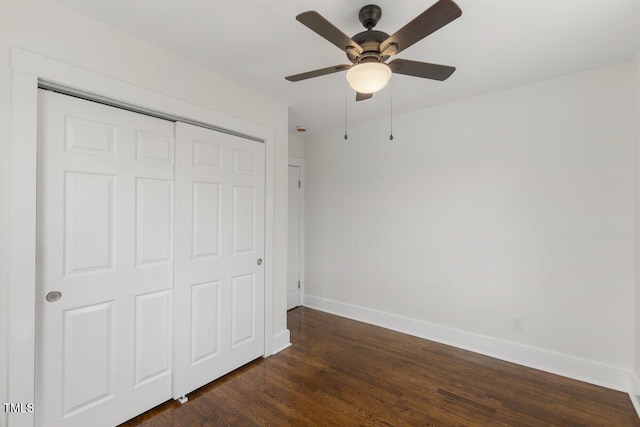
[30, 71]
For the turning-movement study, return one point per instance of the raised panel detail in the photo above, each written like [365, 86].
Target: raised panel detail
[205, 321]
[206, 219]
[242, 308]
[88, 222]
[154, 220]
[89, 137]
[154, 148]
[244, 161]
[243, 219]
[152, 338]
[88, 356]
[206, 154]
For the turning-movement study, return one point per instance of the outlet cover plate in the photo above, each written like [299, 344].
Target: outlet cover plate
[516, 323]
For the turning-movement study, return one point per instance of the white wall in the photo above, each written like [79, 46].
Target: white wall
[296, 146]
[51, 30]
[519, 202]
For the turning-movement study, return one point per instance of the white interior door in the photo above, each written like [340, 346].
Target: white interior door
[104, 262]
[219, 282]
[293, 257]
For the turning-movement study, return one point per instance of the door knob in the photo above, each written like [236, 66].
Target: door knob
[54, 296]
[259, 262]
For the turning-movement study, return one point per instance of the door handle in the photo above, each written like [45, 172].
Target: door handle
[259, 262]
[54, 296]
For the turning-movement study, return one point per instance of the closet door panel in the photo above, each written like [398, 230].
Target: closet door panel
[104, 296]
[219, 287]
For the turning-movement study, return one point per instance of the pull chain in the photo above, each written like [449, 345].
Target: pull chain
[345, 112]
[391, 120]
[391, 112]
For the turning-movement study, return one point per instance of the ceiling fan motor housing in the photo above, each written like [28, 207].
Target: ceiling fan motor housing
[370, 41]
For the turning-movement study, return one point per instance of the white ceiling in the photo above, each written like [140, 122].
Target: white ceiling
[496, 44]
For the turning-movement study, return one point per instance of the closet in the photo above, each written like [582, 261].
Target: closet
[150, 246]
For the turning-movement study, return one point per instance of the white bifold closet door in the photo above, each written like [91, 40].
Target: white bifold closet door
[219, 281]
[104, 262]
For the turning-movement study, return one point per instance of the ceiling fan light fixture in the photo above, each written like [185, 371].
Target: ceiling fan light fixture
[368, 77]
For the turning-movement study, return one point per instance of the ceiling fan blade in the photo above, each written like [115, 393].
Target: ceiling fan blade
[326, 29]
[363, 96]
[317, 73]
[421, 69]
[429, 21]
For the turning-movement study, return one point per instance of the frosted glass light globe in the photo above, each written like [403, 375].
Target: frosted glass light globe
[368, 77]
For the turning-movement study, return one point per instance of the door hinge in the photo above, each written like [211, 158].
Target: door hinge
[298, 284]
[299, 184]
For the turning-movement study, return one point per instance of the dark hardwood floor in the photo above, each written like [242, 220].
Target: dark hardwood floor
[345, 373]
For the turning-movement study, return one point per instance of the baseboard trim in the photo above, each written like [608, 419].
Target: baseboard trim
[533, 357]
[634, 393]
[281, 340]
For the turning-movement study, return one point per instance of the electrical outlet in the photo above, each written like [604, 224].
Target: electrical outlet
[516, 323]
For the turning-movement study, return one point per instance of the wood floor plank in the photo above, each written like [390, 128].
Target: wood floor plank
[339, 372]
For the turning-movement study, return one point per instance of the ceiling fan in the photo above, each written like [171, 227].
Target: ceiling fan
[369, 50]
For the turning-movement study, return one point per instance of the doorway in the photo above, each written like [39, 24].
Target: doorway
[295, 258]
[30, 72]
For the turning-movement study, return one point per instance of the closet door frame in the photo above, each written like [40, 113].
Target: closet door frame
[30, 71]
